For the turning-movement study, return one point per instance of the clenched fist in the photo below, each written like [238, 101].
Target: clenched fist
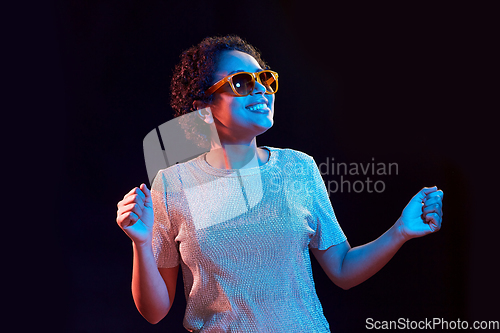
[135, 215]
[423, 214]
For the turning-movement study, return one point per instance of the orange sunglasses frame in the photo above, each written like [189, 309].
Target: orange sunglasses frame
[229, 79]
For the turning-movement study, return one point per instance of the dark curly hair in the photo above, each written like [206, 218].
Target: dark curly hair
[194, 74]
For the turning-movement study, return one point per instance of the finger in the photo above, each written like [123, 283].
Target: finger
[133, 207]
[420, 196]
[145, 189]
[135, 191]
[136, 196]
[434, 203]
[140, 193]
[433, 200]
[428, 190]
[436, 194]
[434, 221]
[434, 208]
[147, 194]
[131, 200]
[127, 219]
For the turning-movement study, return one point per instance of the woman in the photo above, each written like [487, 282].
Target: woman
[240, 220]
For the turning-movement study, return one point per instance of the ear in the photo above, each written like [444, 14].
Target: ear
[204, 111]
[205, 114]
[199, 105]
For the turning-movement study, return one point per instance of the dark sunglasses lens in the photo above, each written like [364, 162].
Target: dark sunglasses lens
[243, 83]
[268, 80]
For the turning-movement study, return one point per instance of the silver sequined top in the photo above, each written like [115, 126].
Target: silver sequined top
[242, 238]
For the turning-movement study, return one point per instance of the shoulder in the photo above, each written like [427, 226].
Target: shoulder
[286, 155]
[173, 176]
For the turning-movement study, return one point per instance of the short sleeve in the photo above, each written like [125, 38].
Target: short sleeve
[165, 247]
[327, 229]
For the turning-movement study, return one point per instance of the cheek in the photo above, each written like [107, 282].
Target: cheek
[227, 107]
[220, 106]
[271, 100]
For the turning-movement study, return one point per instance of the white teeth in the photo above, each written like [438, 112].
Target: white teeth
[257, 107]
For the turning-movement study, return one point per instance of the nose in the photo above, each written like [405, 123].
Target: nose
[259, 88]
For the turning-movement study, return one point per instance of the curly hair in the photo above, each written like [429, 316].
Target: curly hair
[194, 74]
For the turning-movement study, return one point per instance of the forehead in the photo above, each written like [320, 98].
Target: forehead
[235, 61]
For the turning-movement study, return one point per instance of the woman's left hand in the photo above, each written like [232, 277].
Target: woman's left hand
[423, 214]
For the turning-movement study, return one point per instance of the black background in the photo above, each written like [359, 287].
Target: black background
[400, 83]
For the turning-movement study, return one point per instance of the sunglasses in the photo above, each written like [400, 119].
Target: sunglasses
[243, 83]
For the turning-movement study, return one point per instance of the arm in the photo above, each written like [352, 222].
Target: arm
[348, 267]
[153, 289]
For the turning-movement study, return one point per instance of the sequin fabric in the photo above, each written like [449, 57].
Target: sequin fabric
[242, 238]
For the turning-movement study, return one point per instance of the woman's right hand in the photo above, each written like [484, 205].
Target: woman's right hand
[135, 215]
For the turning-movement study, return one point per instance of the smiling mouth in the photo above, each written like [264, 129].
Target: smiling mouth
[258, 107]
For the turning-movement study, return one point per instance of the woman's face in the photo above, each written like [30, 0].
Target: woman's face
[236, 118]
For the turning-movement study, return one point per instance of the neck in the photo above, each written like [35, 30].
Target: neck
[236, 156]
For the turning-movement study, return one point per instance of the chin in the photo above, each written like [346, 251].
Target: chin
[263, 127]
